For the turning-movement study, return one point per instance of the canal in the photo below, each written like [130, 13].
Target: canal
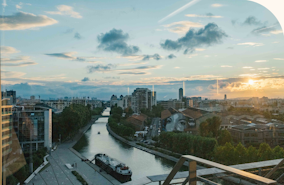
[141, 163]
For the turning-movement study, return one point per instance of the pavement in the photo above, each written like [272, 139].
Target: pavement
[58, 174]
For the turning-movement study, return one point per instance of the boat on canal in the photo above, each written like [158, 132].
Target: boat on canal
[118, 170]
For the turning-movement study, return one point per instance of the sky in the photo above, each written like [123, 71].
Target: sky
[55, 49]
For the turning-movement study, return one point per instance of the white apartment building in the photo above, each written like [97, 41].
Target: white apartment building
[143, 98]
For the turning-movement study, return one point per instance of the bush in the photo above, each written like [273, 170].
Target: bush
[79, 178]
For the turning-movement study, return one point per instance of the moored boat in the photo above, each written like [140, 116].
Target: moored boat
[113, 167]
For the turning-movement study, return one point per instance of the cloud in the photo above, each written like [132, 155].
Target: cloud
[251, 20]
[133, 73]
[230, 47]
[263, 30]
[69, 30]
[65, 10]
[276, 32]
[171, 56]
[250, 44]
[278, 58]
[7, 50]
[191, 3]
[177, 67]
[20, 5]
[101, 68]
[207, 36]
[155, 57]
[66, 55]
[182, 27]
[77, 36]
[11, 74]
[85, 79]
[226, 66]
[22, 21]
[20, 61]
[260, 61]
[115, 41]
[217, 5]
[247, 67]
[208, 15]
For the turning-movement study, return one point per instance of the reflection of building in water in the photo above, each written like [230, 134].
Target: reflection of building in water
[187, 120]
[33, 122]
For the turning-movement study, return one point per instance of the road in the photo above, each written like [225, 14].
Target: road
[155, 126]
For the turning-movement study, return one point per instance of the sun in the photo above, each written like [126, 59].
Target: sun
[251, 82]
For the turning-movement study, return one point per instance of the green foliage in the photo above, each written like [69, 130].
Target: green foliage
[11, 180]
[224, 137]
[22, 173]
[118, 125]
[210, 127]
[155, 112]
[79, 178]
[187, 144]
[240, 154]
[71, 120]
[264, 152]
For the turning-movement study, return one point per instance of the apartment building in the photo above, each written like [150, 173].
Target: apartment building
[172, 103]
[143, 98]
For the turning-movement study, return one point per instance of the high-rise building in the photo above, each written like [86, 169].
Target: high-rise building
[143, 98]
[180, 93]
[225, 97]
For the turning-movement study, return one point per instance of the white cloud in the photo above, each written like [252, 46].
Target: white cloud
[278, 58]
[182, 27]
[275, 32]
[177, 67]
[263, 68]
[20, 61]
[192, 55]
[248, 75]
[275, 42]
[18, 6]
[250, 44]
[204, 16]
[65, 10]
[261, 61]
[217, 5]
[226, 66]
[247, 67]
[11, 74]
[199, 49]
[8, 50]
[23, 20]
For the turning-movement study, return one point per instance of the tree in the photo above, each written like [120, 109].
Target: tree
[204, 129]
[228, 154]
[240, 153]
[251, 154]
[264, 152]
[224, 137]
[278, 152]
[214, 125]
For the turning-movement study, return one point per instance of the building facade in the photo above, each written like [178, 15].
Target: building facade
[33, 126]
[180, 93]
[143, 98]
[176, 104]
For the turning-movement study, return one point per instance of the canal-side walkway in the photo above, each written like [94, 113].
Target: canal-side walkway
[58, 174]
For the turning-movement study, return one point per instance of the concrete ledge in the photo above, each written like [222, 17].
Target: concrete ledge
[37, 170]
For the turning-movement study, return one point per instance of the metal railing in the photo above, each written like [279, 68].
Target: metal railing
[192, 177]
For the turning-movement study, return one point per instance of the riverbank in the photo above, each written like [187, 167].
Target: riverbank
[57, 173]
[133, 144]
